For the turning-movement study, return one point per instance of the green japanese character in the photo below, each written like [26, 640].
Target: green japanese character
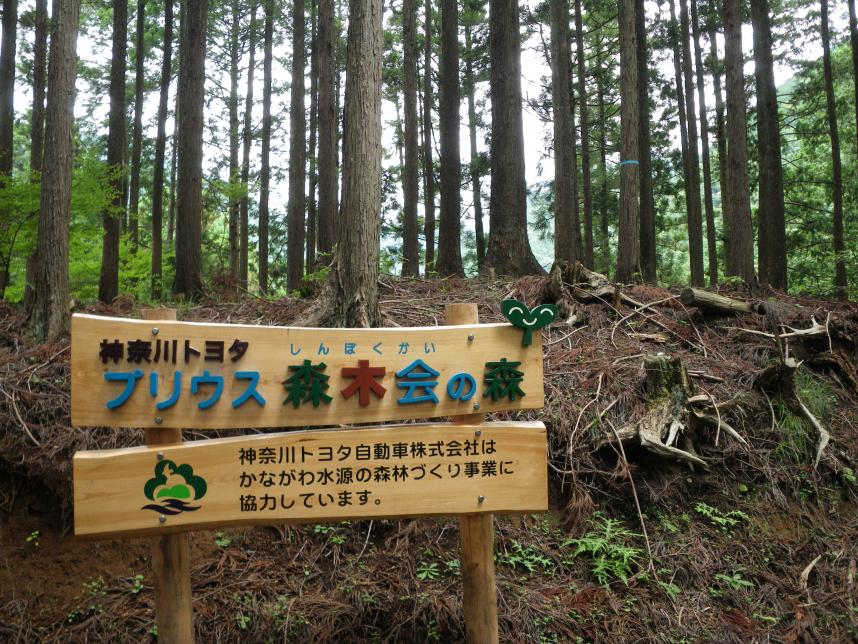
[307, 384]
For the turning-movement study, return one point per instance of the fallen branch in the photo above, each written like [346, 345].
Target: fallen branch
[714, 303]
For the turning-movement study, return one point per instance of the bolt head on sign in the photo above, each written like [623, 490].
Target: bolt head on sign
[528, 319]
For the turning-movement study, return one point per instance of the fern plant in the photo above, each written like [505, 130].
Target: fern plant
[608, 545]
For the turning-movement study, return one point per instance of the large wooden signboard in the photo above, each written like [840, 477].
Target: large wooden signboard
[165, 375]
[132, 373]
[323, 475]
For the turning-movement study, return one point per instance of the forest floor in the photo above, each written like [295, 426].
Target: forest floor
[758, 546]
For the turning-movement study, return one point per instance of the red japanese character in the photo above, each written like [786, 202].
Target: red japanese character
[364, 382]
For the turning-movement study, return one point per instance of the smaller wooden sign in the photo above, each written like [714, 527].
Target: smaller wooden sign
[324, 475]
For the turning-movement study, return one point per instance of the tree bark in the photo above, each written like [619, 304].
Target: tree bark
[509, 248]
[312, 219]
[192, 73]
[40, 56]
[603, 174]
[628, 252]
[410, 245]
[137, 132]
[567, 229]
[232, 104]
[174, 154]
[737, 216]
[297, 154]
[247, 143]
[327, 213]
[695, 222]
[475, 168]
[7, 86]
[108, 283]
[586, 183]
[648, 244]
[840, 283]
[770, 214]
[428, 163]
[449, 231]
[50, 310]
[712, 248]
[264, 161]
[853, 38]
[720, 124]
[354, 280]
[683, 121]
[37, 129]
[160, 149]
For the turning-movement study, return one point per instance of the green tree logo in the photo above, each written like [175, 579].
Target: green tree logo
[528, 319]
[173, 487]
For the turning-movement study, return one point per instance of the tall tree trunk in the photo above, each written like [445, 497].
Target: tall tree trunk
[449, 232]
[605, 246]
[770, 215]
[470, 88]
[232, 104]
[683, 112]
[312, 221]
[840, 283]
[428, 163]
[264, 162]
[108, 283]
[37, 128]
[695, 222]
[712, 249]
[354, 281]
[247, 143]
[680, 108]
[410, 245]
[7, 86]
[628, 252]
[40, 57]
[327, 213]
[174, 147]
[567, 229]
[509, 248]
[740, 235]
[160, 149]
[720, 121]
[853, 37]
[586, 184]
[297, 153]
[50, 310]
[189, 198]
[137, 132]
[649, 263]
[174, 160]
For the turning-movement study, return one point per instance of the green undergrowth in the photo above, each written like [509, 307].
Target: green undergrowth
[796, 441]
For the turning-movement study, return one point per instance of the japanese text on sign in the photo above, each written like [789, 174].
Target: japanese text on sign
[185, 374]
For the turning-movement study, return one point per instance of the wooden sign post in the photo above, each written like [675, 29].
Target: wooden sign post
[476, 534]
[166, 376]
[171, 564]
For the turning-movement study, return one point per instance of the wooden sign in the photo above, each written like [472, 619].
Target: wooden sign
[134, 373]
[323, 475]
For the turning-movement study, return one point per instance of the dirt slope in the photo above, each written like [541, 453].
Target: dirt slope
[716, 554]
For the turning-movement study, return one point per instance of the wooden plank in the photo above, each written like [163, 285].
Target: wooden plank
[171, 557]
[476, 537]
[270, 352]
[372, 472]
